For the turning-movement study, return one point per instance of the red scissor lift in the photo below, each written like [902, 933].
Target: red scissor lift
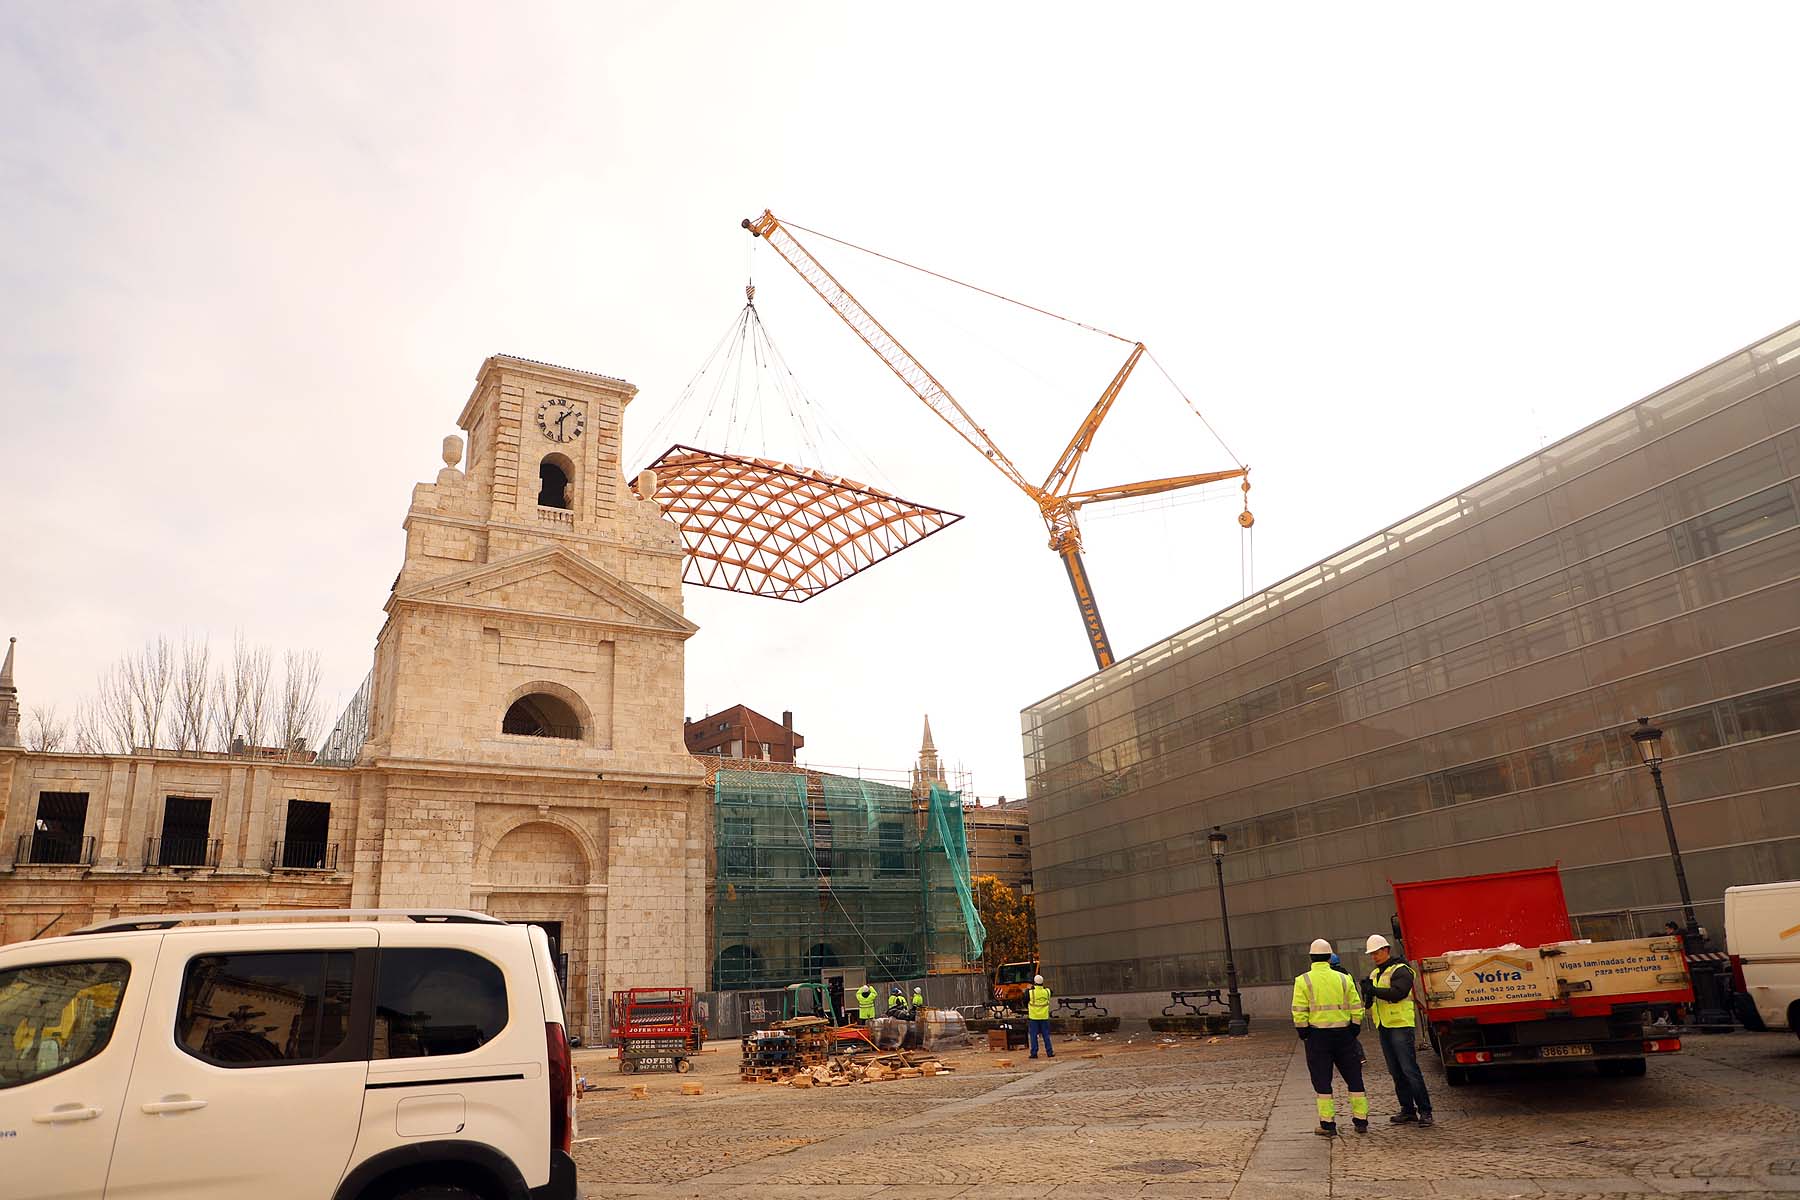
[654, 1029]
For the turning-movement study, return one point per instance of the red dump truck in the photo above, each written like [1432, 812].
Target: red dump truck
[1503, 982]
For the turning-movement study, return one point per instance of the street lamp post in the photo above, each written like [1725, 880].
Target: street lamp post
[1709, 985]
[1236, 1026]
[1649, 743]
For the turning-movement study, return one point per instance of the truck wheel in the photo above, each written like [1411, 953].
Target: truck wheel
[683, 1065]
[1624, 1067]
[1744, 1008]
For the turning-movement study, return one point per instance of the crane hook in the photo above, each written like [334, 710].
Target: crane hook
[1245, 519]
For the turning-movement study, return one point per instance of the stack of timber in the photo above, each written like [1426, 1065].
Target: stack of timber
[842, 1072]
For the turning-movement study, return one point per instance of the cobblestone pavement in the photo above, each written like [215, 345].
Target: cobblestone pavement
[1135, 1117]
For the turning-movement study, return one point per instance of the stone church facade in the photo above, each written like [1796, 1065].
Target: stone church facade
[524, 752]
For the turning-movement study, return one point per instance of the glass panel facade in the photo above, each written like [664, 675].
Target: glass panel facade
[1450, 696]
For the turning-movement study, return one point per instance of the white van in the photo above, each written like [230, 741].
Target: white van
[312, 1054]
[1762, 930]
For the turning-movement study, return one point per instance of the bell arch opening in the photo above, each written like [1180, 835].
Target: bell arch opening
[540, 714]
[556, 482]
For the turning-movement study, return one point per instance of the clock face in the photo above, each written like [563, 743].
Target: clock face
[561, 420]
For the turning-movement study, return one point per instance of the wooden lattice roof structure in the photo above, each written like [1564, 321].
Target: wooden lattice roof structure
[769, 528]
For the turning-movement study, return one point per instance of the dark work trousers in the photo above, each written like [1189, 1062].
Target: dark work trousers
[1327, 1048]
[1403, 1065]
[1041, 1028]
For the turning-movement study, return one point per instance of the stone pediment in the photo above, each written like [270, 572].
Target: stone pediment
[551, 582]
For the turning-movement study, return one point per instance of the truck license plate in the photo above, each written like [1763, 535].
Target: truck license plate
[1578, 1051]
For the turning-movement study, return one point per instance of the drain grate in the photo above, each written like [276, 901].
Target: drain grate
[1162, 1166]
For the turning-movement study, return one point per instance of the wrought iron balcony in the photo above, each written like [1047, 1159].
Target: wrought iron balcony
[181, 852]
[51, 850]
[303, 856]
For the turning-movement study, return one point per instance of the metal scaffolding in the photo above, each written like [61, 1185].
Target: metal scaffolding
[817, 871]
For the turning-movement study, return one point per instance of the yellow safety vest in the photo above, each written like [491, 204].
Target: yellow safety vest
[1390, 1014]
[1326, 999]
[1038, 1003]
[865, 1002]
[918, 998]
[896, 1000]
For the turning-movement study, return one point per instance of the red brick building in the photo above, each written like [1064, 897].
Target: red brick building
[742, 732]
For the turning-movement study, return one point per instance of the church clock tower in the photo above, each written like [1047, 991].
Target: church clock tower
[525, 726]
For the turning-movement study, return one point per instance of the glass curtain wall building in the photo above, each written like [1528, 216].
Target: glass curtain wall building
[1451, 696]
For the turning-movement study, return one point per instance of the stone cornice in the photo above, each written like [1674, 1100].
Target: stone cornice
[453, 770]
[478, 524]
[656, 619]
[547, 373]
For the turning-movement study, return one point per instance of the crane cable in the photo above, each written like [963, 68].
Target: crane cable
[1247, 533]
[900, 262]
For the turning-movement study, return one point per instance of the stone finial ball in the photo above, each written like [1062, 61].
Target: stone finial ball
[452, 450]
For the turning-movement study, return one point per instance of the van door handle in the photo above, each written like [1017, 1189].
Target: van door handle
[173, 1104]
[62, 1114]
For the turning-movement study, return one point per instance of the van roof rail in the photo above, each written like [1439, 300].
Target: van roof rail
[425, 916]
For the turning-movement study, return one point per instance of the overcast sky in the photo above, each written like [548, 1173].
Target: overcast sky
[254, 254]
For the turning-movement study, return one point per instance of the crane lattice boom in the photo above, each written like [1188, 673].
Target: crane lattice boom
[1057, 500]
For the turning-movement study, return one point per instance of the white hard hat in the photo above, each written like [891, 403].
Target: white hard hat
[1037, 979]
[1320, 946]
[1376, 942]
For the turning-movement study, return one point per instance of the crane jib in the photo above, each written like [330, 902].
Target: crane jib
[1090, 609]
[1055, 499]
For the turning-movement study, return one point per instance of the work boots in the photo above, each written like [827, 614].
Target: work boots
[1360, 1124]
[1326, 1129]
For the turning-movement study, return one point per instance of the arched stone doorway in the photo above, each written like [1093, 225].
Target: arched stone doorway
[538, 872]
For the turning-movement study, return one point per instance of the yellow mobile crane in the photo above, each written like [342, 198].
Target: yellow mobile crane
[1056, 497]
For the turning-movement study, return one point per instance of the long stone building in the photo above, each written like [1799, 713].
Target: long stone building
[523, 749]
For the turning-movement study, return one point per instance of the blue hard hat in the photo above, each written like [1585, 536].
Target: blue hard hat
[1335, 961]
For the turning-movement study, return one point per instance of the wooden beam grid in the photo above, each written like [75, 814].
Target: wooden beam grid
[765, 528]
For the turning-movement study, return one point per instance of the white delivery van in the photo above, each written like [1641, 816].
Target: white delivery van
[303, 1055]
[1762, 931]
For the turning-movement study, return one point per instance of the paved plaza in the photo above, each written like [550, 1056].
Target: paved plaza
[1129, 1116]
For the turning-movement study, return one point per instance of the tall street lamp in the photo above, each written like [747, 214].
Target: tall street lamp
[1649, 743]
[1237, 1026]
[1709, 985]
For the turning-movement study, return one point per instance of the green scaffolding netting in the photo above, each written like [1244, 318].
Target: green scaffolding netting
[953, 842]
[816, 871]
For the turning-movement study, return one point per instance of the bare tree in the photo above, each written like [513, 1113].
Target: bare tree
[45, 732]
[148, 674]
[231, 695]
[170, 697]
[259, 706]
[192, 718]
[117, 715]
[89, 728]
[297, 714]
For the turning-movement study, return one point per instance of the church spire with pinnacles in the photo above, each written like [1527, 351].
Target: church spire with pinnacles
[9, 702]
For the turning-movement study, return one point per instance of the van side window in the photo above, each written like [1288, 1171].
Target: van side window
[431, 1002]
[55, 1015]
[266, 1009]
